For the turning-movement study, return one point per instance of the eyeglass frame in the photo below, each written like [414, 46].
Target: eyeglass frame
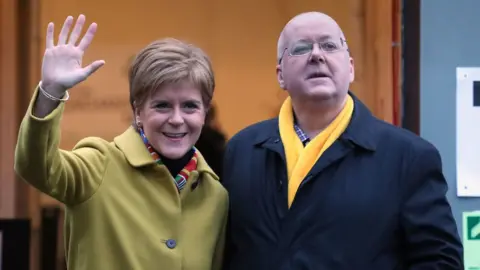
[342, 41]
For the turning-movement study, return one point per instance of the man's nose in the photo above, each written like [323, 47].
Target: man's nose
[317, 54]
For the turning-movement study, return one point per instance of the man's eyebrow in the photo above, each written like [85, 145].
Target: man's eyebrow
[325, 37]
[330, 37]
[321, 38]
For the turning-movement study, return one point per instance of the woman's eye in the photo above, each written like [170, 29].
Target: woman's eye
[190, 105]
[162, 105]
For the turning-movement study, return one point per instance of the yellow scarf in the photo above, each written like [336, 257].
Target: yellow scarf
[300, 160]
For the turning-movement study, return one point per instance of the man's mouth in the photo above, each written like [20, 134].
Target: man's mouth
[174, 135]
[315, 75]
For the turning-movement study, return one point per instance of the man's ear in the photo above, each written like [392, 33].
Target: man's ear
[352, 70]
[281, 82]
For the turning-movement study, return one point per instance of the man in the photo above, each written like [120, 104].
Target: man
[326, 185]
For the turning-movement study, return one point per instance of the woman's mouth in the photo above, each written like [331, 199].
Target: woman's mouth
[174, 135]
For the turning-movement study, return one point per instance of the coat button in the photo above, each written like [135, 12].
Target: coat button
[171, 244]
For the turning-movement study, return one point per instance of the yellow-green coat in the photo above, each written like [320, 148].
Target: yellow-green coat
[123, 210]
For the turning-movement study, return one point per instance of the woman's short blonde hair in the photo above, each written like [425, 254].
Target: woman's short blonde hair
[169, 61]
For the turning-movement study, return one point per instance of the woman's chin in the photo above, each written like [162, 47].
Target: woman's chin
[174, 153]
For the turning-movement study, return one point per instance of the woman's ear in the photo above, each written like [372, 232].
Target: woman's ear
[136, 113]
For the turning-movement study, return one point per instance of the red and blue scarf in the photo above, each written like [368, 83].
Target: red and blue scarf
[182, 176]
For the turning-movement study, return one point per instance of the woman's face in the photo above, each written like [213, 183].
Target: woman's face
[172, 119]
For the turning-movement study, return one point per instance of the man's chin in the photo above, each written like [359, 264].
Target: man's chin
[321, 92]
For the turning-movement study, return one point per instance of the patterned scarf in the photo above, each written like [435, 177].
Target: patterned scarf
[182, 176]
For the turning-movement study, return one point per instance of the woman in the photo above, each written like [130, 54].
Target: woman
[147, 200]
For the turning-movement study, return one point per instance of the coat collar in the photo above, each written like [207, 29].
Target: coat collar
[360, 131]
[132, 146]
[363, 128]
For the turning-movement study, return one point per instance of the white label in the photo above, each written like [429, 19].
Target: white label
[468, 132]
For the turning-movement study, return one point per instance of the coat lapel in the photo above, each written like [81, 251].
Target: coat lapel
[132, 146]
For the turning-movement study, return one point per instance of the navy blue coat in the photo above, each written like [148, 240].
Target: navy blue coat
[375, 200]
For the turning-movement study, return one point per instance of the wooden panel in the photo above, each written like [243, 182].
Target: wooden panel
[17, 53]
[378, 57]
[8, 109]
[31, 9]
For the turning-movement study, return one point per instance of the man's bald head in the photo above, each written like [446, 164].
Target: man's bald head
[300, 20]
[313, 62]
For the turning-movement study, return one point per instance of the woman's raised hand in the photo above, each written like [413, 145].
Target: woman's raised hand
[62, 63]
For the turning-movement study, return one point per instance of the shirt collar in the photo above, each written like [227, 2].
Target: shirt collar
[300, 133]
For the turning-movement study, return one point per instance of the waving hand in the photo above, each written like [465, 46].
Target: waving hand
[62, 63]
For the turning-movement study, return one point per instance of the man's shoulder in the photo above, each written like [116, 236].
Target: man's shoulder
[401, 138]
[255, 132]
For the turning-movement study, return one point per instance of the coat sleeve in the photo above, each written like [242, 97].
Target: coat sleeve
[70, 177]
[432, 240]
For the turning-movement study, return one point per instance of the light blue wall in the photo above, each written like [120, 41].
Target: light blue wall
[450, 37]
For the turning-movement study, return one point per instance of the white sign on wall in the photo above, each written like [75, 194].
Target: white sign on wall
[468, 132]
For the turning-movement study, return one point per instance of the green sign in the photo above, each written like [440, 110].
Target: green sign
[473, 228]
[471, 240]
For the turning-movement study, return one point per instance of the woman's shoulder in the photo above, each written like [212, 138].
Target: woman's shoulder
[95, 143]
[213, 184]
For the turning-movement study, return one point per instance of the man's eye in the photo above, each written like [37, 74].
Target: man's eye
[300, 49]
[329, 46]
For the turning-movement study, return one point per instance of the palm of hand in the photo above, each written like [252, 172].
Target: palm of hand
[63, 64]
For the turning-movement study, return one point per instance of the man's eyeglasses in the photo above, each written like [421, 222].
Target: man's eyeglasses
[305, 47]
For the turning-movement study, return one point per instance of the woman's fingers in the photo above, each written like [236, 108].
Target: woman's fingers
[77, 30]
[62, 39]
[88, 37]
[49, 38]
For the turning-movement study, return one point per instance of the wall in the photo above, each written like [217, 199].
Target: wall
[449, 38]
[240, 36]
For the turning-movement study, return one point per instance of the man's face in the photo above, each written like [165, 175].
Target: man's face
[315, 64]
